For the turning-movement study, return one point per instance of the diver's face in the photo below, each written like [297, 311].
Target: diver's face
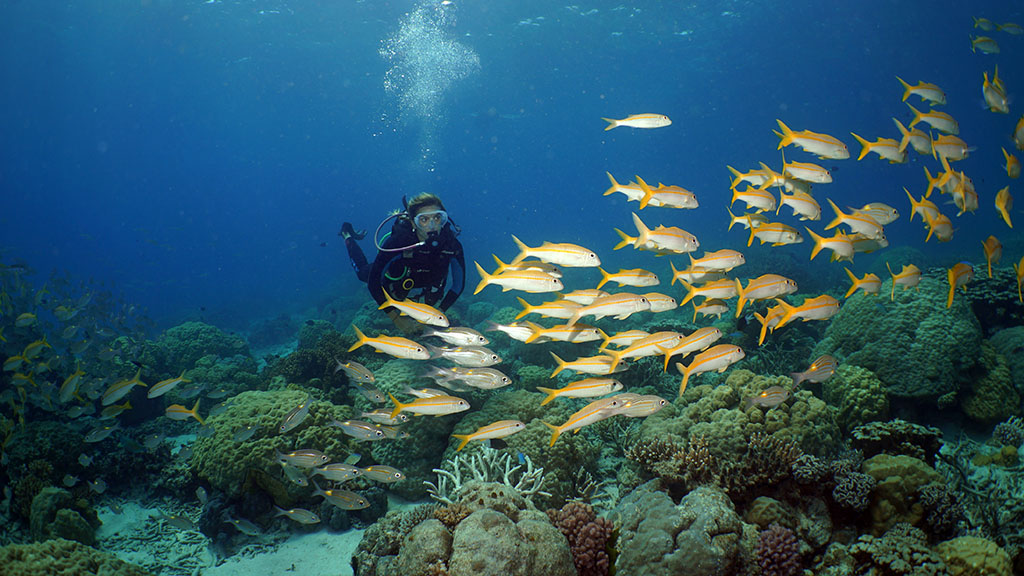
[430, 219]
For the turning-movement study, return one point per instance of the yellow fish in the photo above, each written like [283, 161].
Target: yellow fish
[959, 275]
[120, 389]
[940, 226]
[777, 233]
[920, 141]
[995, 97]
[764, 287]
[395, 346]
[670, 196]
[499, 429]
[1004, 203]
[164, 386]
[723, 260]
[803, 204]
[434, 405]
[1018, 133]
[754, 177]
[818, 308]
[886, 148]
[536, 265]
[715, 359]
[594, 412]
[639, 121]
[179, 412]
[533, 281]
[925, 207]
[993, 252]
[418, 311]
[760, 199]
[822, 145]
[870, 283]
[699, 340]
[720, 289]
[928, 92]
[567, 255]
[859, 222]
[600, 365]
[807, 172]
[710, 307]
[587, 388]
[1019, 270]
[1012, 165]
[908, 277]
[646, 346]
[840, 245]
[936, 119]
[563, 309]
[1010, 28]
[623, 338]
[984, 44]
[950, 147]
[636, 277]
[984, 23]
[620, 306]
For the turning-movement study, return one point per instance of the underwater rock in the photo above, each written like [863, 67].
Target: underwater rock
[55, 514]
[702, 535]
[489, 543]
[186, 343]
[62, 558]
[991, 396]
[428, 545]
[1010, 343]
[973, 556]
[916, 346]
[895, 497]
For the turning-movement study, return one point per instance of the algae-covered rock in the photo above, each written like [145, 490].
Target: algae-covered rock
[488, 543]
[973, 556]
[992, 396]
[894, 498]
[915, 345]
[857, 395]
[55, 514]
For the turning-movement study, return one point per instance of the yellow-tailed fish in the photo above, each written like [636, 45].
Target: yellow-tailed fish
[695, 274]
[908, 277]
[925, 207]
[939, 226]
[754, 177]
[295, 416]
[775, 233]
[25, 319]
[585, 296]
[818, 308]
[567, 255]
[950, 147]
[858, 222]
[600, 365]
[807, 172]
[748, 219]
[699, 340]
[959, 275]
[764, 287]
[423, 313]
[881, 213]
[927, 91]
[822, 145]
[840, 245]
[33, 349]
[984, 23]
[886, 148]
[638, 405]
[1012, 165]
[474, 356]
[723, 260]
[820, 370]
[760, 199]
[993, 252]
[69, 389]
[769, 321]
[164, 386]
[936, 119]
[633, 192]
[563, 309]
[1018, 269]
[179, 412]
[499, 429]
[668, 238]
[482, 378]
[869, 284]
[114, 410]
[803, 204]
[623, 339]
[620, 306]
[646, 120]
[120, 389]
[993, 94]
[565, 333]
[862, 243]
[637, 277]
[660, 302]
[533, 281]
[394, 346]
[666, 196]
[919, 140]
[594, 412]
[715, 359]
[710, 307]
[647, 346]
[720, 289]
[984, 44]
[434, 405]
[1018, 133]
[1004, 203]
[517, 330]
[536, 265]
[1010, 28]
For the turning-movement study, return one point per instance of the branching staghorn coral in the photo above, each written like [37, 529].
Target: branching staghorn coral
[487, 465]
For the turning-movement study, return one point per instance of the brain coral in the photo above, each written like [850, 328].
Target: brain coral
[915, 345]
[62, 558]
[857, 395]
[228, 465]
[188, 342]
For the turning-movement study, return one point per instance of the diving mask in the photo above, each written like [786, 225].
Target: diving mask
[431, 220]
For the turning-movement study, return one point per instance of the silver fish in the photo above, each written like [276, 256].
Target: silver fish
[245, 527]
[383, 416]
[344, 499]
[218, 394]
[84, 460]
[370, 393]
[295, 416]
[339, 472]
[355, 371]
[459, 336]
[151, 441]
[99, 486]
[179, 522]
[100, 433]
[70, 480]
[219, 409]
[202, 496]
[299, 515]
[303, 458]
[385, 474]
[473, 356]
[359, 429]
[244, 433]
[296, 475]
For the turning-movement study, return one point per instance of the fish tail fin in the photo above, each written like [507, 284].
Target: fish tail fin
[931, 225]
[388, 300]
[560, 362]
[465, 438]
[739, 303]
[616, 356]
[556, 432]
[523, 251]
[611, 123]
[817, 242]
[798, 378]
[685, 371]
[752, 231]
[906, 88]
[614, 187]
[786, 138]
[485, 278]
[537, 329]
[194, 412]
[690, 292]
[788, 314]
[906, 135]
[552, 394]
[892, 294]
[952, 287]
[865, 146]
[917, 114]
[854, 279]
[764, 327]
[643, 232]
[648, 192]
[732, 218]
[360, 338]
[527, 308]
[737, 177]
[840, 215]
[626, 240]
[501, 265]
[604, 278]
[398, 406]
[914, 204]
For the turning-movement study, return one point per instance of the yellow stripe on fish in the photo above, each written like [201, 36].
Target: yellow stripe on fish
[423, 313]
[394, 346]
[500, 429]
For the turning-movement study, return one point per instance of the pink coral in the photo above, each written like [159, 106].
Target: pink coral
[588, 537]
[778, 552]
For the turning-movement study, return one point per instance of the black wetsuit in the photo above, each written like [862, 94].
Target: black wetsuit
[419, 273]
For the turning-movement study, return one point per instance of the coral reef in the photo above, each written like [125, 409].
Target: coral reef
[589, 536]
[902, 550]
[857, 395]
[271, 331]
[486, 465]
[898, 437]
[1010, 344]
[56, 514]
[914, 345]
[778, 552]
[973, 556]
[62, 558]
[895, 497]
[1009, 432]
[991, 396]
[181, 346]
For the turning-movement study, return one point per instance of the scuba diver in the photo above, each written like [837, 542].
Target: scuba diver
[414, 260]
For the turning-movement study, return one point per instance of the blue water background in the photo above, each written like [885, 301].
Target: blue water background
[196, 155]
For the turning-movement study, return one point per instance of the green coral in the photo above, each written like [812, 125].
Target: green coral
[992, 396]
[234, 374]
[234, 467]
[857, 395]
[186, 343]
[1010, 343]
[915, 345]
[62, 558]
